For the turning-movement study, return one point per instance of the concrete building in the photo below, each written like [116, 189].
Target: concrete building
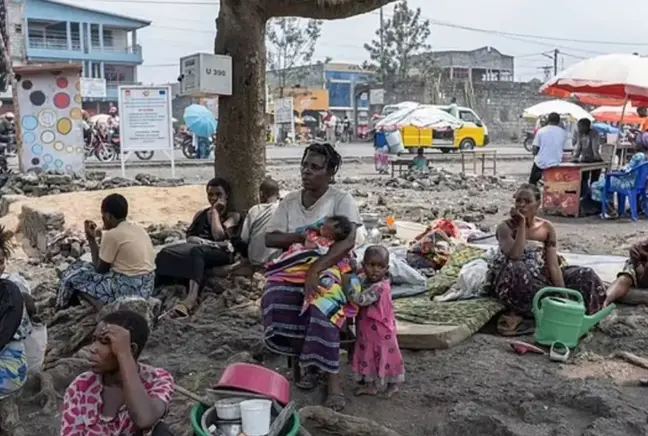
[341, 81]
[43, 31]
[485, 64]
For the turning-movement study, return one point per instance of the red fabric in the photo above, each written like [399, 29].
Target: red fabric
[611, 117]
[83, 405]
[617, 92]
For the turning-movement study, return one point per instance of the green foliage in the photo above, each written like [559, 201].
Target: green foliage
[393, 53]
[291, 44]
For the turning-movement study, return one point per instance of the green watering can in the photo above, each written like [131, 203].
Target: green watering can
[563, 320]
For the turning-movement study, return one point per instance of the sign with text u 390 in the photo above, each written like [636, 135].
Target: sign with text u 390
[205, 73]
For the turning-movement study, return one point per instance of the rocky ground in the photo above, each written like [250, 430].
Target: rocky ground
[476, 388]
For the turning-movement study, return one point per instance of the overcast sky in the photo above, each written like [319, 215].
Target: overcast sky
[584, 29]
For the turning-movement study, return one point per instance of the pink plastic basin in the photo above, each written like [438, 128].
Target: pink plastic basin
[256, 379]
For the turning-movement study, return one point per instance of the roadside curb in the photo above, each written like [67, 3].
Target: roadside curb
[452, 158]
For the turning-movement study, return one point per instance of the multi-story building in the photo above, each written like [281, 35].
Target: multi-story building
[483, 64]
[43, 31]
[341, 81]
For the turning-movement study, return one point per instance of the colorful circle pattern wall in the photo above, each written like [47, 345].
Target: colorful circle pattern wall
[50, 122]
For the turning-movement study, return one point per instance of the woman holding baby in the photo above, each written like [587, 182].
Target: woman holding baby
[310, 337]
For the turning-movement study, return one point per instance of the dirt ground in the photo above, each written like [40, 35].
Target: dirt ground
[476, 388]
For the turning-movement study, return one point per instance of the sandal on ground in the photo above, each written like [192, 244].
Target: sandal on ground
[335, 402]
[307, 382]
[513, 325]
[179, 311]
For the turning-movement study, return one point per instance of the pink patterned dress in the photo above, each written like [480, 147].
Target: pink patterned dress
[376, 357]
[83, 405]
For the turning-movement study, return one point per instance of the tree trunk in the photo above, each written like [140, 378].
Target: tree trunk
[5, 56]
[240, 144]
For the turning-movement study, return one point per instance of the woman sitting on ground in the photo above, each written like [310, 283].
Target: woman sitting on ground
[207, 245]
[15, 328]
[120, 396]
[634, 274]
[311, 338]
[122, 265]
[528, 260]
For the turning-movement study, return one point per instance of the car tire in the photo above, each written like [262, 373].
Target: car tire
[467, 144]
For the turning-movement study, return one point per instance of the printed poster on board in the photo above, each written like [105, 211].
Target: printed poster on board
[145, 118]
[51, 132]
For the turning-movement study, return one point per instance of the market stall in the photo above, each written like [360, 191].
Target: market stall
[617, 76]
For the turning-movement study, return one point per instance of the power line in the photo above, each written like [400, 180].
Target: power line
[523, 35]
[526, 35]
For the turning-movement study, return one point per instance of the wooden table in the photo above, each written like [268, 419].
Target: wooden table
[398, 164]
[479, 155]
[562, 187]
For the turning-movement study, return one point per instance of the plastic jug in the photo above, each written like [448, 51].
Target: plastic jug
[560, 319]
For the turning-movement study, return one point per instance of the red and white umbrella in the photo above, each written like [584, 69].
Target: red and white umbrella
[612, 114]
[621, 76]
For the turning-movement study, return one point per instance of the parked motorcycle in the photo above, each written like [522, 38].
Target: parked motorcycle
[528, 141]
[110, 147]
[190, 150]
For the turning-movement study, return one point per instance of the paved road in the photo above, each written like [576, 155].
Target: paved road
[295, 152]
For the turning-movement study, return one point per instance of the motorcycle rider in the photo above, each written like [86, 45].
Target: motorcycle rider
[87, 129]
[113, 118]
[347, 131]
[113, 122]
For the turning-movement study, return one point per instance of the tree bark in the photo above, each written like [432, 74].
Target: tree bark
[323, 9]
[5, 56]
[240, 144]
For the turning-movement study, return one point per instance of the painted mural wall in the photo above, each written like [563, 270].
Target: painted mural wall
[51, 131]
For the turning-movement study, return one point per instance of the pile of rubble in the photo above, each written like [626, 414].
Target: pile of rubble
[47, 240]
[437, 179]
[38, 185]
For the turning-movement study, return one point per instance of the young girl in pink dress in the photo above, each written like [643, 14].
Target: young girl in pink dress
[377, 359]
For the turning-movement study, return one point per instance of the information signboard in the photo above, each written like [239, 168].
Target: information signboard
[145, 121]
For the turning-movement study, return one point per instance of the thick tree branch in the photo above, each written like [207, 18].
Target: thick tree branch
[323, 9]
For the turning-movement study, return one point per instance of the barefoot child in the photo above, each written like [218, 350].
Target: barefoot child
[376, 358]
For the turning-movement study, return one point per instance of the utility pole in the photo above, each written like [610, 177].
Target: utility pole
[556, 53]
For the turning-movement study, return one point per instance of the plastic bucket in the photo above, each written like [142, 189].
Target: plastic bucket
[256, 417]
[290, 429]
[408, 231]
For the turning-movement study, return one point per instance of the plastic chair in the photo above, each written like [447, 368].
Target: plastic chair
[639, 190]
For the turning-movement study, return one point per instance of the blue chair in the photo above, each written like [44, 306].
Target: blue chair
[639, 191]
